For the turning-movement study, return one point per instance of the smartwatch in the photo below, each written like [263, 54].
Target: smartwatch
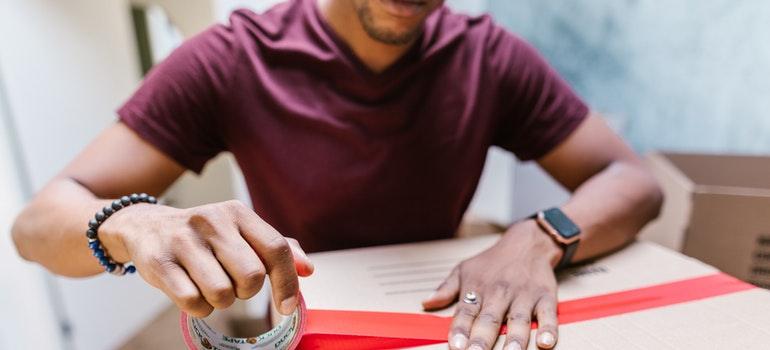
[562, 230]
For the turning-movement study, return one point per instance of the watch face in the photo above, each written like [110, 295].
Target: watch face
[561, 223]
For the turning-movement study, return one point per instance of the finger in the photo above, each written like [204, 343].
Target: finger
[460, 330]
[275, 252]
[445, 294]
[486, 327]
[206, 272]
[302, 263]
[178, 286]
[241, 263]
[519, 323]
[547, 322]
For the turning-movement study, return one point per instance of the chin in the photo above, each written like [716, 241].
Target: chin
[395, 21]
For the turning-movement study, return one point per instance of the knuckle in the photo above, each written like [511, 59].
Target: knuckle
[278, 246]
[538, 291]
[159, 263]
[546, 305]
[548, 298]
[501, 285]
[189, 301]
[544, 291]
[251, 281]
[488, 318]
[546, 311]
[201, 311]
[519, 290]
[502, 288]
[199, 216]
[203, 224]
[519, 318]
[466, 312]
[254, 275]
[220, 295]
[179, 240]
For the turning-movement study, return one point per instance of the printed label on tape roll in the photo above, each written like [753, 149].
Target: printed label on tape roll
[198, 335]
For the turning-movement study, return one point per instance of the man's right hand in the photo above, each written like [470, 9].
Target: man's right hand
[205, 257]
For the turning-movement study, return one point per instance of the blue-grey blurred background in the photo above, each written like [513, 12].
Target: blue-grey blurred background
[682, 75]
[687, 75]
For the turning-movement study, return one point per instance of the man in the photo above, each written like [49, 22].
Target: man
[355, 122]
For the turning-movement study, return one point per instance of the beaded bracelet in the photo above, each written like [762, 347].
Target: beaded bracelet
[92, 233]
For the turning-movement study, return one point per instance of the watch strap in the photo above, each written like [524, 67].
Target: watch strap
[564, 227]
[566, 258]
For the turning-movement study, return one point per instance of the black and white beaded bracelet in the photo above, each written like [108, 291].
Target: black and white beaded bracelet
[92, 233]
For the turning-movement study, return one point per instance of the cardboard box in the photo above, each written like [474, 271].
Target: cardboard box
[717, 210]
[397, 278]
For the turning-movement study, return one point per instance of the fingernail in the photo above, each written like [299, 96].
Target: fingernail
[513, 346]
[310, 264]
[288, 305]
[546, 340]
[459, 341]
[304, 256]
[475, 347]
[431, 296]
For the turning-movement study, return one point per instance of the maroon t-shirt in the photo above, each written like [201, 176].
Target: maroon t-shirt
[336, 155]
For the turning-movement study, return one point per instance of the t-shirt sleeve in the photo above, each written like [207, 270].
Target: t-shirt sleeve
[177, 106]
[539, 110]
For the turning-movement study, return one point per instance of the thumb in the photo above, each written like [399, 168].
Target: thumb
[446, 294]
[301, 262]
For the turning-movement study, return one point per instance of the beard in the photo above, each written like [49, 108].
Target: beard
[383, 35]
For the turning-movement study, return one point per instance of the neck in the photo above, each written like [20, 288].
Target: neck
[343, 19]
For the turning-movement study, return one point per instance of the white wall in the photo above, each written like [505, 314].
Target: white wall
[494, 196]
[534, 190]
[23, 290]
[190, 16]
[67, 65]
[222, 8]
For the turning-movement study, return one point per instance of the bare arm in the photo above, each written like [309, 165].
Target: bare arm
[51, 229]
[614, 194]
[202, 257]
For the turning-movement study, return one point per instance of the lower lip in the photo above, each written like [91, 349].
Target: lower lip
[401, 8]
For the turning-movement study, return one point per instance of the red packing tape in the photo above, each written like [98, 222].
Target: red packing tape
[362, 330]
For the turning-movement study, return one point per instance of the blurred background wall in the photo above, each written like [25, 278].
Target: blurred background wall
[24, 294]
[686, 76]
[682, 75]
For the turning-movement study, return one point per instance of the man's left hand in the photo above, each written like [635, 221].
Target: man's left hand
[513, 281]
